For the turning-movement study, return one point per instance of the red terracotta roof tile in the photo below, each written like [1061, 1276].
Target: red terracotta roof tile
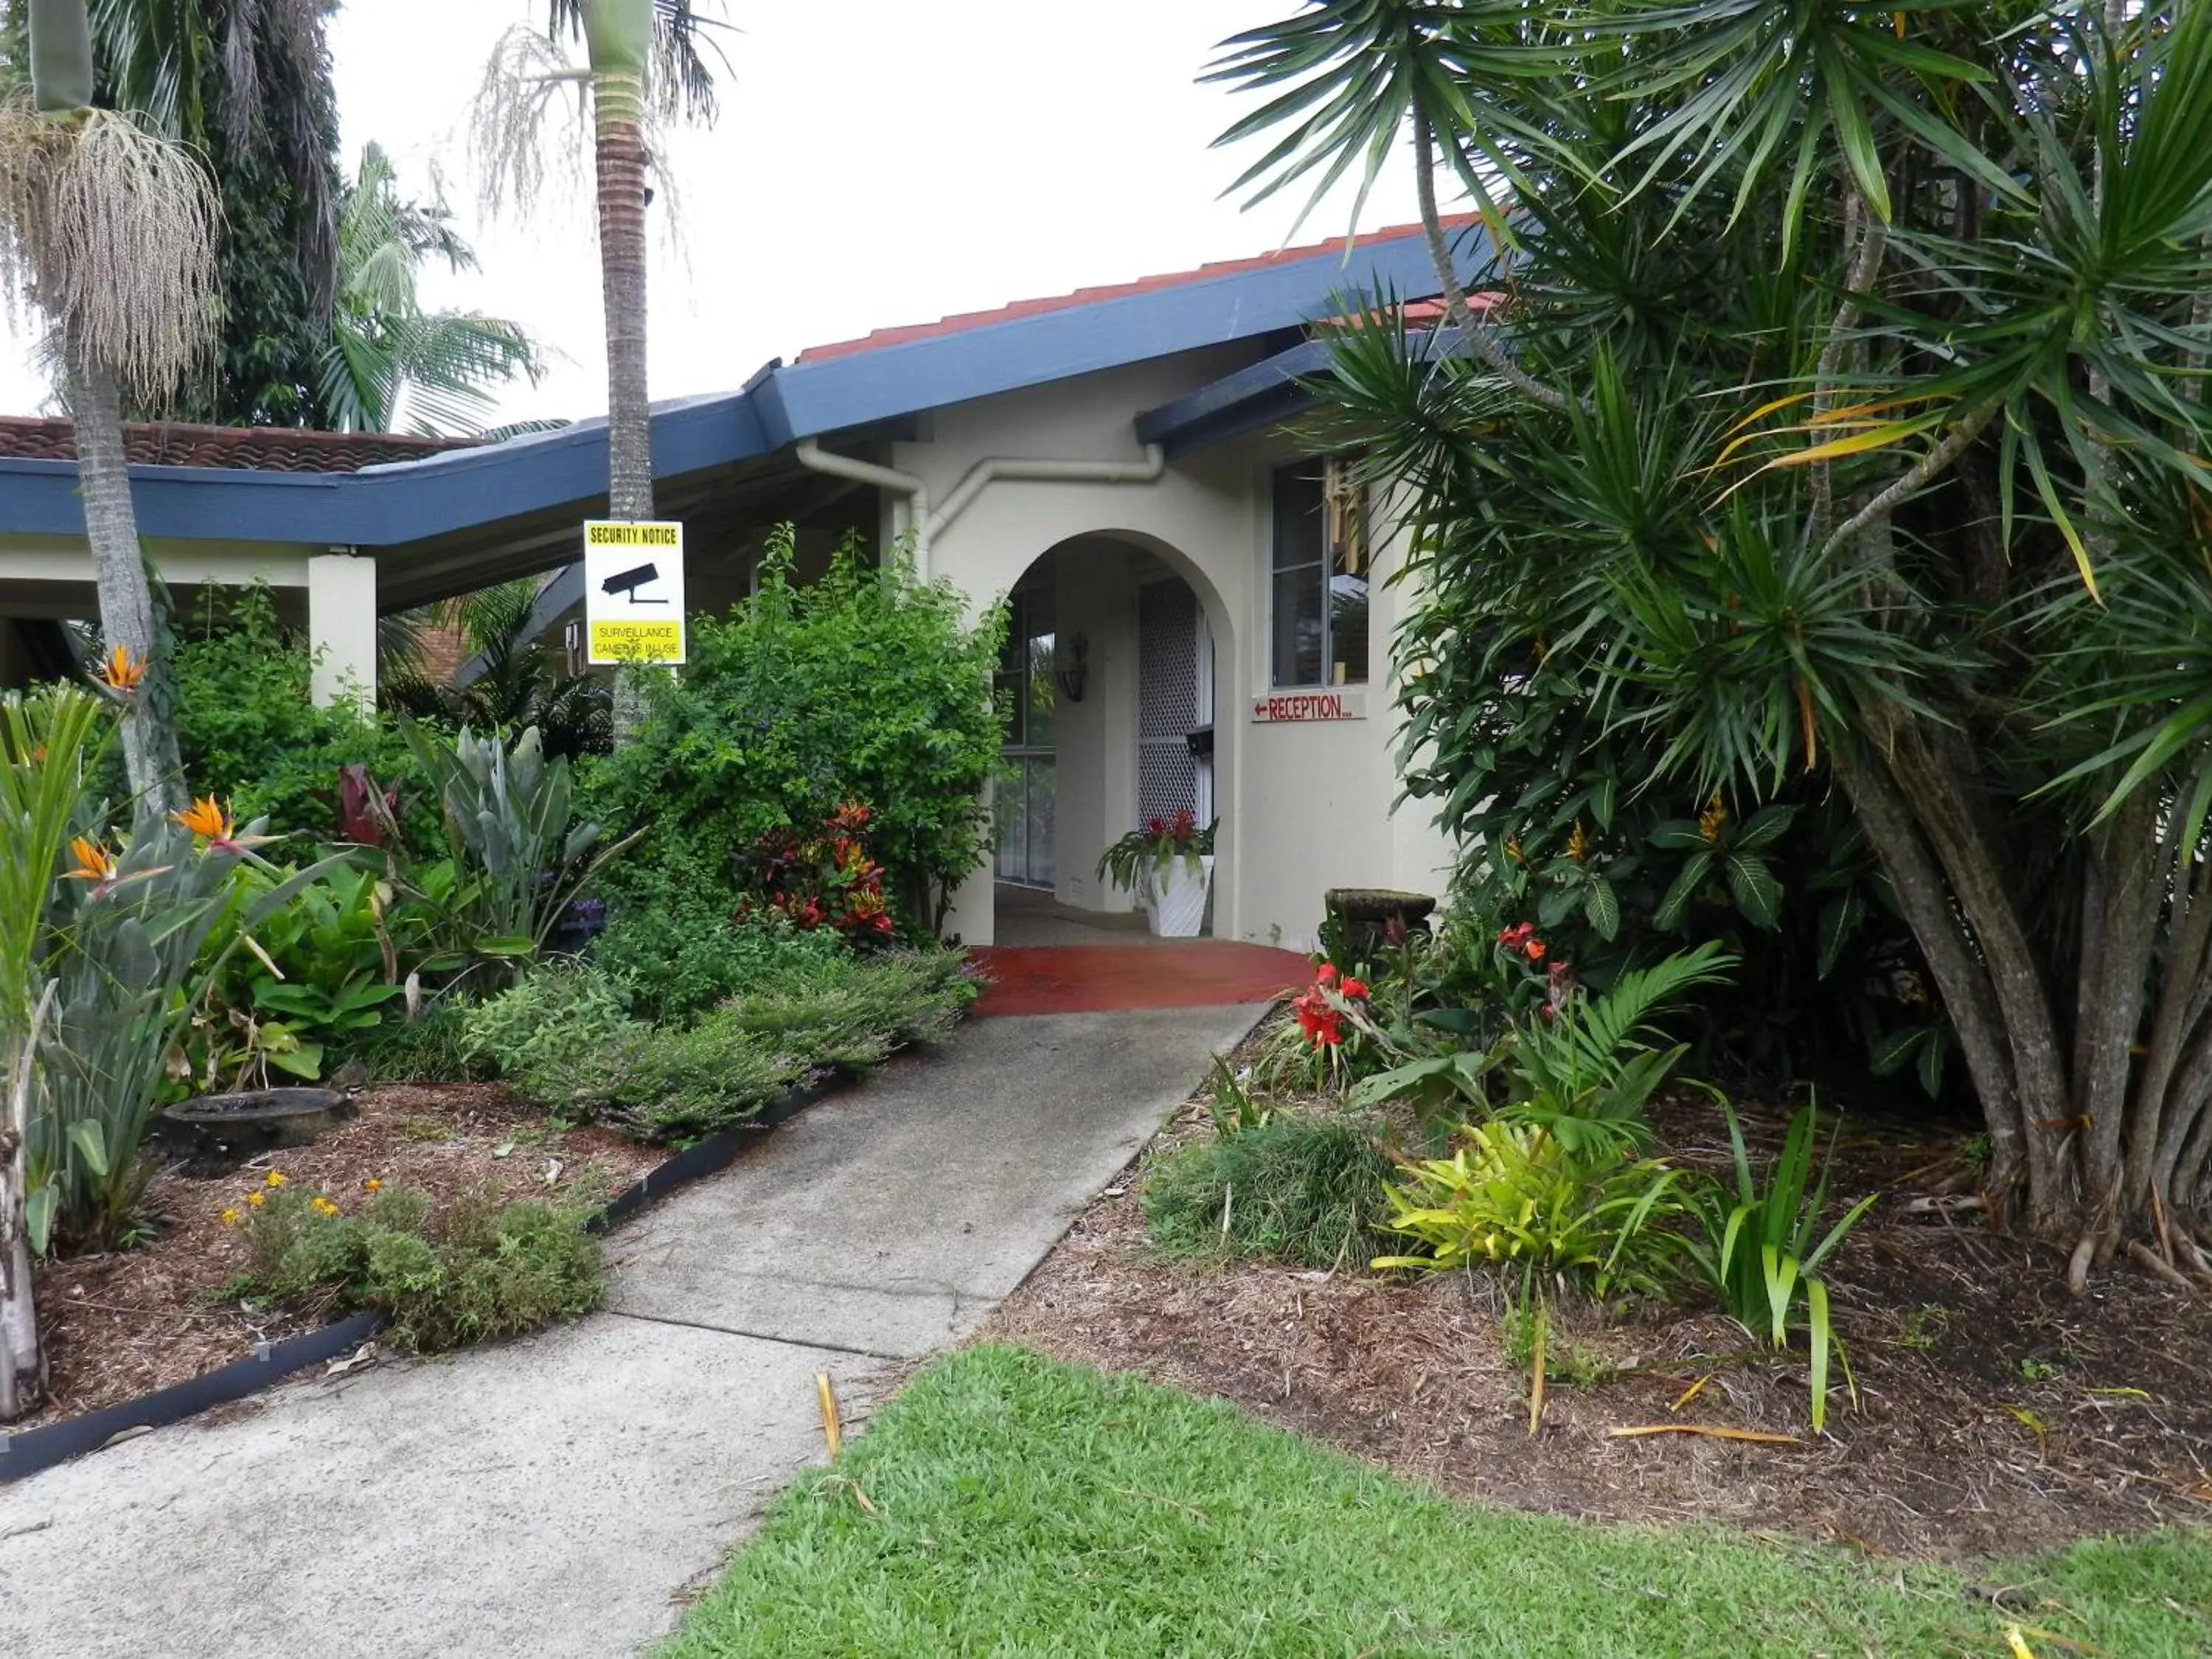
[254, 448]
[1084, 296]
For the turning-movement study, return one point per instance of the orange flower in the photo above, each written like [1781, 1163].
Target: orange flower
[1711, 820]
[120, 671]
[372, 1186]
[206, 818]
[93, 862]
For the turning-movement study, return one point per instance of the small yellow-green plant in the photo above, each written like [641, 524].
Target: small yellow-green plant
[1513, 1196]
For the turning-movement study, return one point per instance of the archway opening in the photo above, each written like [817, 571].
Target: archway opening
[1108, 682]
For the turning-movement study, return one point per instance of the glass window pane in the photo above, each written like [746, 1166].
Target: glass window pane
[1298, 627]
[1042, 695]
[1010, 811]
[1043, 776]
[1298, 527]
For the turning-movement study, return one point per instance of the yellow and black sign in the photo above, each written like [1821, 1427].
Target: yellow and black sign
[633, 592]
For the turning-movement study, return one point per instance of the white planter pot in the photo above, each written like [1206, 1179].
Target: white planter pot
[1175, 899]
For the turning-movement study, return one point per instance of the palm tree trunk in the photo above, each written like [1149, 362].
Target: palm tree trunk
[619, 34]
[619, 154]
[127, 615]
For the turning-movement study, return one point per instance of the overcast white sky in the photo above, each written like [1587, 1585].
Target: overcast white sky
[877, 163]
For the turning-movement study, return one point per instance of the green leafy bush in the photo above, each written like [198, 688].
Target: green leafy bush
[552, 1034]
[867, 685]
[1513, 1195]
[1305, 1189]
[475, 1271]
[1759, 1252]
[680, 953]
[249, 730]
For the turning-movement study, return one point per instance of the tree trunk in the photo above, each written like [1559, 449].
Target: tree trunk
[127, 614]
[619, 32]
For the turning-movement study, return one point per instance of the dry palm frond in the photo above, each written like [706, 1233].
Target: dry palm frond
[111, 231]
[532, 126]
[529, 85]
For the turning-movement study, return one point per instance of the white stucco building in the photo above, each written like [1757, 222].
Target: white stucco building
[1202, 611]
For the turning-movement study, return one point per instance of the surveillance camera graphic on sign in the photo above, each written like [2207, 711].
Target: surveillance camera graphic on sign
[634, 593]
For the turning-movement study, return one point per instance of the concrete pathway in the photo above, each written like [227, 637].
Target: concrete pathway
[557, 1497]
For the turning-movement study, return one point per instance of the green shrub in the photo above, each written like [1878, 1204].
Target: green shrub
[559, 1015]
[865, 686]
[249, 730]
[681, 953]
[850, 1011]
[1306, 1190]
[479, 1270]
[679, 1084]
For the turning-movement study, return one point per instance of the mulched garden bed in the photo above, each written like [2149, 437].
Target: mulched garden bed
[121, 1325]
[1996, 1416]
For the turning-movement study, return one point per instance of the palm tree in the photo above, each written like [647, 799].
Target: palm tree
[110, 233]
[387, 358]
[644, 59]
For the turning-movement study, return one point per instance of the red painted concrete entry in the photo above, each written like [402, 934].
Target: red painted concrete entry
[1097, 979]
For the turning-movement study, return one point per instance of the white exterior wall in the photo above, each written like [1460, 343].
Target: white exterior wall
[1303, 806]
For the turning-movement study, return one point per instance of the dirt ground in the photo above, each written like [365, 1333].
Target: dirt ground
[126, 1323]
[1995, 1416]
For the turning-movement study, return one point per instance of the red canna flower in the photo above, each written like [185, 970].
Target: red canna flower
[1326, 974]
[1534, 950]
[1353, 990]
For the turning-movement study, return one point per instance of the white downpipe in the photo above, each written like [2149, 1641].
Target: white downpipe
[989, 471]
[815, 459]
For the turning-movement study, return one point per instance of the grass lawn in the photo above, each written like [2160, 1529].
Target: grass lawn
[1016, 1506]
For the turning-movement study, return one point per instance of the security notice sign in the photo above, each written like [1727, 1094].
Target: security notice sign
[633, 592]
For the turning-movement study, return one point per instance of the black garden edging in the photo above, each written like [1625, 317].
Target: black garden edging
[27, 1451]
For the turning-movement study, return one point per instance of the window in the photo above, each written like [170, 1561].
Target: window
[1319, 577]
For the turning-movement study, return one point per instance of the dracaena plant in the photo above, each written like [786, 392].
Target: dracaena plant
[1837, 431]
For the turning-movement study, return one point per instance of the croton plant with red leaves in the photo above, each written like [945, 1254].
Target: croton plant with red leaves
[823, 879]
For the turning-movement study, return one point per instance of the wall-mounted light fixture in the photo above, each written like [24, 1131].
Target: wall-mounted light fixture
[1071, 673]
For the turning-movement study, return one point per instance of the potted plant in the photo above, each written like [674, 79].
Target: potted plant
[1169, 865]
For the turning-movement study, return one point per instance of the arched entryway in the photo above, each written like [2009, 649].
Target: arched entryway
[1110, 677]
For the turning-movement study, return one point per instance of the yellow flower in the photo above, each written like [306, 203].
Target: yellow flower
[1710, 820]
[276, 1177]
[323, 1206]
[206, 818]
[1577, 843]
[120, 671]
[372, 1185]
[230, 1217]
[94, 861]
[1513, 849]
[256, 1199]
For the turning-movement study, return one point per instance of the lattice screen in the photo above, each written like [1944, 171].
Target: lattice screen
[1167, 699]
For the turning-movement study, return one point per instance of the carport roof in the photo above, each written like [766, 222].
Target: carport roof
[455, 497]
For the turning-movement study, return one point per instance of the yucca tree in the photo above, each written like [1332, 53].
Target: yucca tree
[388, 357]
[644, 59]
[1851, 441]
[111, 233]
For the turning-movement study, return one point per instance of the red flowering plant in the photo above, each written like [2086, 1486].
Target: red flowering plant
[1143, 856]
[825, 878]
[1332, 1037]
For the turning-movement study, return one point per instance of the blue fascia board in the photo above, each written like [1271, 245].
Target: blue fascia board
[416, 501]
[1268, 381]
[986, 359]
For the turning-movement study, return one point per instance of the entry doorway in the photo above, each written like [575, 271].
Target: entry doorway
[1028, 773]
